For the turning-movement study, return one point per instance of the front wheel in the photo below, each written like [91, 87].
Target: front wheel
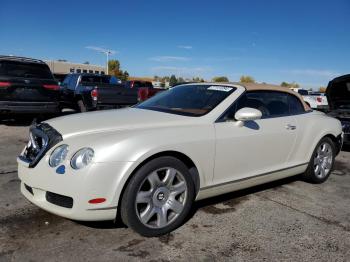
[158, 197]
[322, 162]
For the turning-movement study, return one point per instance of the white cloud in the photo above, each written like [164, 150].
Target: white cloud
[169, 58]
[220, 59]
[312, 73]
[101, 49]
[185, 46]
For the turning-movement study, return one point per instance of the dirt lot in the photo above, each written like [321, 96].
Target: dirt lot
[286, 220]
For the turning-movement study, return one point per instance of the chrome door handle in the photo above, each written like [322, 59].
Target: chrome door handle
[290, 127]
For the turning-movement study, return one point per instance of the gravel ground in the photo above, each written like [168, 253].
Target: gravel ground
[288, 220]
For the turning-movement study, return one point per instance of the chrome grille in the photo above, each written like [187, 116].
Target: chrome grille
[42, 137]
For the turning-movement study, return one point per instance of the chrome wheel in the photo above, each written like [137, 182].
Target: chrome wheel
[161, 197]
[323, 160]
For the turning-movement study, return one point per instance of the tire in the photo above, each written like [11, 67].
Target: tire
[322, 162]
[81, 106]
[154, 207]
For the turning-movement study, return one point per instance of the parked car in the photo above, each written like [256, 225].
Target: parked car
[27, 86]
[314, 100]
[145, 89]
[149, 163]
[87, 92]
[338, 93]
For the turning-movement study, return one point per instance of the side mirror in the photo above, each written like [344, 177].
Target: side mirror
[248, 114]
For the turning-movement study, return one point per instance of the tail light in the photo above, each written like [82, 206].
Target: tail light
[319, 99]
[94, 94]
[143, 94]
[5, 84]
[52, 87]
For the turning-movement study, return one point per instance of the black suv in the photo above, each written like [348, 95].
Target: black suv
[27, 86]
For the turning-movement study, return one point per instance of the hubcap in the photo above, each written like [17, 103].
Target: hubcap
[161, 197]
[323, 160]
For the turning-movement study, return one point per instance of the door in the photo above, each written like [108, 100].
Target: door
[259, 146]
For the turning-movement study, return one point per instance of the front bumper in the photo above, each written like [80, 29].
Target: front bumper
[10, 107]
[50, 191]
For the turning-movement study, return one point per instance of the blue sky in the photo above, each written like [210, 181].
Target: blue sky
[273, 41]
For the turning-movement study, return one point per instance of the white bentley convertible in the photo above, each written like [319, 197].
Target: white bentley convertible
[150, 162]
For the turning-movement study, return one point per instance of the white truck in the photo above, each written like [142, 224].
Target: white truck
[315, 100]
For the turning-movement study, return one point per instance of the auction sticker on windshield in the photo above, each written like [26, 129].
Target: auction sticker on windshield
[220, 88]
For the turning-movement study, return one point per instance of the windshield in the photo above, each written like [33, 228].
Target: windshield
[27, 70]
[190, 100]
[96, 79]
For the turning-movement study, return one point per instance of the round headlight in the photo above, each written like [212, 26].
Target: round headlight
[82, 158]
[58, 155]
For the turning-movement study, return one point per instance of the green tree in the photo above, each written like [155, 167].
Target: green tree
[220, 79]
[247, 79]
[113, 66]
[125, 76]
[115, 69]
[172, 80]
[323, 89]
[290, 85]
[86, 63]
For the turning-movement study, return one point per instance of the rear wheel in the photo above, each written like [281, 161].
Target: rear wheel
[322, 161]
[158, 197]
[81, 106]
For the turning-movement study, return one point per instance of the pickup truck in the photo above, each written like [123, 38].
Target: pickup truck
[314, 100]
[87, 92]
[145, 89]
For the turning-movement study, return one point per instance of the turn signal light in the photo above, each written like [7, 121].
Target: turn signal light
[97, 201]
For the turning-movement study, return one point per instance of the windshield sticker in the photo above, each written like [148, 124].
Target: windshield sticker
[220, 88]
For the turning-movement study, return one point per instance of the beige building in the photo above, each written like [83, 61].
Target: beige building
[63, 68]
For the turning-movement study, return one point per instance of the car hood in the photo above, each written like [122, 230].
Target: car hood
[338, 93]
[113, 120]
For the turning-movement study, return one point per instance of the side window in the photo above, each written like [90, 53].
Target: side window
[270, 103]
[72, 82]
[295, 106]
[66, 80]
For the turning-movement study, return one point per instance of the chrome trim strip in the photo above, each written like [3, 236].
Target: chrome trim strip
[251, 177]
[103, 208]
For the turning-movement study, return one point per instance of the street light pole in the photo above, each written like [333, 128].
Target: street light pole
[107, 53]
[103, 51]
